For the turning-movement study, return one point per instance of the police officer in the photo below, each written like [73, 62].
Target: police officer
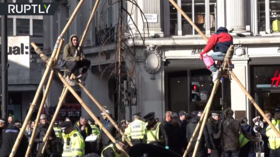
[136, 130]
[273, 139]
[57, 130]
[155, 132]
[111, 151]
[73, 141]
[95, 129]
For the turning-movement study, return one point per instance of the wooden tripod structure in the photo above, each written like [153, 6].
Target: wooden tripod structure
[51, 63]
[208, 105]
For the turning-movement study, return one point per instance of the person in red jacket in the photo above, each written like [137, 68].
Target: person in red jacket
[216, 48]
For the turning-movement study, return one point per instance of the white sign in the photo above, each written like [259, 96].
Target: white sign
[151, 18]
[19, 60]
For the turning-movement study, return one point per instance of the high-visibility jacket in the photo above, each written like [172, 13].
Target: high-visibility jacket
[153, 135]
[126, 133]
[273, 139]
[73, 144]
[58, 132]
[95, 130]
[114, 150]
[86, 128]
[242, 140]
[136, 130]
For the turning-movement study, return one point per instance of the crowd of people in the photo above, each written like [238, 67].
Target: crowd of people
[222, 136]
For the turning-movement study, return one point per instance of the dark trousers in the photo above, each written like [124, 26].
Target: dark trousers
[275, 153]
[231, 153]
[75, 65]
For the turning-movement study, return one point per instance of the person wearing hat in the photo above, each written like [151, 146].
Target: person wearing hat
[273, 139]
[57, 130]
[204, 143]
[74, 143]
[213, 127]
[155, 132]
[136, 130]
[40, 134]
[104, 140]
[182, 128]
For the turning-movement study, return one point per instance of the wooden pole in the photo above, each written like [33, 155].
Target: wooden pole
[195, 131]
[254, 102]
[188, 19]
[89, 111]
[50, 128]
[39, 90]
[42, 104]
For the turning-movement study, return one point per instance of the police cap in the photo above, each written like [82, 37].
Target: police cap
[137, 114]
[149, 116]
[65, 125]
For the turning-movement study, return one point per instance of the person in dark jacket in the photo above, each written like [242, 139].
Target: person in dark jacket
[249, 149]
[213, 127]
[219, 43]
[40, 134]
[229, 131]
[85, 130]
[202, 150]
[168, 117]
[9, 138]
[104, 140]
[74, 59]
[173, 134]
[182, 130]
[263, 133]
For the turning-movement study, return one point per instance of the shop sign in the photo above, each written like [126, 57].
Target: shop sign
[197, 50]
[275, 79]
[151, 18]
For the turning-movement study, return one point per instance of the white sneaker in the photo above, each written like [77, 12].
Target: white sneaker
[70, 82]
[215, 75]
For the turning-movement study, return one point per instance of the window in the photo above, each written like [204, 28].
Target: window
[22, 1]
[268, 16]
[196, 12]
[10, 26]
[38, 27]
[23, 26]
[110, 13]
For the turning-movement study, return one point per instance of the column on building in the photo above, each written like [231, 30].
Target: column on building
[150, 93]
[98, 86]
[235, 15]
[221, 13]
[148, 7]
[239, 101]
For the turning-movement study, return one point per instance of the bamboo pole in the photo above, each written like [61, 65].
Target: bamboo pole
[42, 105]
[188, 19]
[254, 103]
[209, 103]
[195, 131]
[50, 128]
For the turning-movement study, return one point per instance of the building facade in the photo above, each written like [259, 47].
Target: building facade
[24, 72]
[169, 61]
